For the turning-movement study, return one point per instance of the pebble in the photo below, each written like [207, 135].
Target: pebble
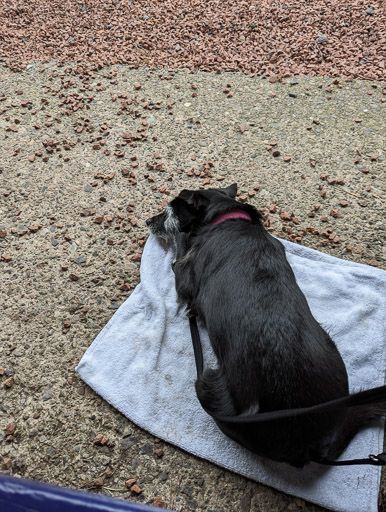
[81, 259]
[8, 383]
[130, 482]
[47, 395]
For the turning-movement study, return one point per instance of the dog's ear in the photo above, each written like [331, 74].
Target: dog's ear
[185, 212]
[186, 195]
[231, 191]
[193, 198]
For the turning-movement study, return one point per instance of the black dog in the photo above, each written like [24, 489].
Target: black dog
[272, 354]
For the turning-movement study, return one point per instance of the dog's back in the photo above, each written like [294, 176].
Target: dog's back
[271, 351]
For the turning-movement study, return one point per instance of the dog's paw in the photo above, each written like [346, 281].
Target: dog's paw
[190, 313]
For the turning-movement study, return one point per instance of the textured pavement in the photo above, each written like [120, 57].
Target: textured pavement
[85, 159]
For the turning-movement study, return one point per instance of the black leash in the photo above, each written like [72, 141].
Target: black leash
[374, 460]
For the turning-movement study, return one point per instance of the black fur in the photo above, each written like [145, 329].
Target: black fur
[272, 354]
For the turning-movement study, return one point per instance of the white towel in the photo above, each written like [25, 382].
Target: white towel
[142, 363]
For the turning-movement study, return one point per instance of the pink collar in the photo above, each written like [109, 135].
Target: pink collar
[230, 214]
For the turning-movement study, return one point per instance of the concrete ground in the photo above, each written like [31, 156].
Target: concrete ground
[85, 159]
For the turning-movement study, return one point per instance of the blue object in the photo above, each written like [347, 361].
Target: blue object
[20, 495]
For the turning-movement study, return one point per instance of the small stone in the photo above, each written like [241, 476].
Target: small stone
[272, 208]
[137, 86]
[8, 383]
[6, 463]
[343, 203]
[322, 39]
[80, 260]
[159, 452]
[10, 429]
[136, 489]
[373, 263]
[276, 153]
[285, 216]
[158, 502]
[130, 482]
[100, 439]
[287, 159]
[146, 449]
[334, 213]
[370, 11]
[74, 277]
[98, 482]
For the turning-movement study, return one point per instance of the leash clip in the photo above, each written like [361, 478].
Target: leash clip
[379, 460]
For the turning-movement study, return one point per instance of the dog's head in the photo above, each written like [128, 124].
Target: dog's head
[190, 209]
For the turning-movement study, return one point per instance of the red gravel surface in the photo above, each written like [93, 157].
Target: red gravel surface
[325, 37]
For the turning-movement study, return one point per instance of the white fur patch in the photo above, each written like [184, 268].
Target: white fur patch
[171, 222]
[252, 409]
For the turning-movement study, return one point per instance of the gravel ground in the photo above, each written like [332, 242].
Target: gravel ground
[86, 158]
[334, 37]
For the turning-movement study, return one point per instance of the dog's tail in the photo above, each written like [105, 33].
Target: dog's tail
[373, 402]
[356, 419]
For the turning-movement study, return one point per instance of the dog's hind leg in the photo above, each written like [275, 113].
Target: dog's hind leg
[213, 393]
